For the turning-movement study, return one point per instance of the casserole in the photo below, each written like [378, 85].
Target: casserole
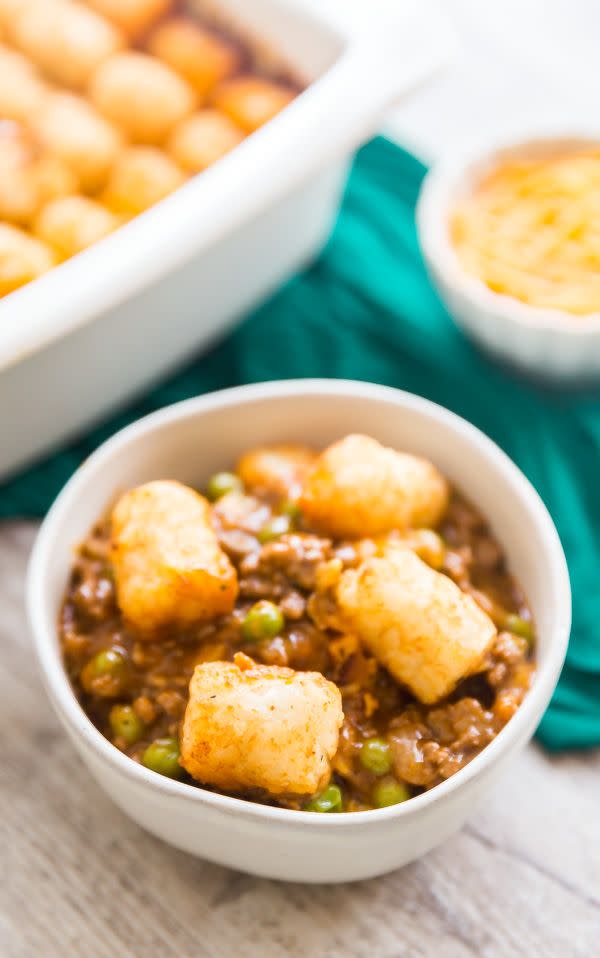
[96, 330]
[188, 442]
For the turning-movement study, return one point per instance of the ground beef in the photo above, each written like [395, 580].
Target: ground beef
[291, 559]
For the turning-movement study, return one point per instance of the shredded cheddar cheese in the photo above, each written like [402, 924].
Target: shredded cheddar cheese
[531, 230]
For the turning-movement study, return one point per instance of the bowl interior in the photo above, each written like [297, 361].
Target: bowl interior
[191, 440]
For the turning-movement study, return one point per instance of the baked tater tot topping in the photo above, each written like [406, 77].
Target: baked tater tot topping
[202, 139]
[251, 101]
[250, 726]
[22, 258]
[65, 40]
[72, 223]
[134, 17]
[115, 100]
[199, 56]
[141, 176]
[70, 128]
[169, 567]
[357, 488]
[140, 95]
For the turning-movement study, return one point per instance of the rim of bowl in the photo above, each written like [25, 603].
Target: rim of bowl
[63, 697]
[447, 179]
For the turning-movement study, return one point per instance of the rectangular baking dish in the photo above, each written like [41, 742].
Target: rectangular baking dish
[84, 338]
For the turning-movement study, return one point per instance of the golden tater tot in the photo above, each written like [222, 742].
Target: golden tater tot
[65, 40]
[28, 179]
[18, 189]
[54, 178]
[141, 95]
[252, 726]
[22, 258]
[278, 468]
[71, 128]
[10, 10]
[202, 139]
[199, 56]
[134, 17]
[141, 176]
[22, 91]
[415, 621]
[359, 488]
[169, 567]
[251, 101]
[71, 223]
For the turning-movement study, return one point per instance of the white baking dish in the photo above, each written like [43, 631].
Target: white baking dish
[94, 331]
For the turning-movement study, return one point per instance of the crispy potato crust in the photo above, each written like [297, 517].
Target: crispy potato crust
[278, 468]
[250, 726]
[134, 17]
[65, 40]
[415, 621]
[169, 568]
[359, 488]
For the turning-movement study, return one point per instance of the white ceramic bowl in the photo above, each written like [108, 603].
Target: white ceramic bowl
[188, 442]
[548, 343]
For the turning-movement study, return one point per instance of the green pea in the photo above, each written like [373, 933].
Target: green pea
[329, 800]
[291, 509]
[222, 483]
[519, 626]
[275, 527]
[162, 756]
[126, 724]
[263, 621]
[389, 792]
[106, 673]
[111, 662]
[375, 756]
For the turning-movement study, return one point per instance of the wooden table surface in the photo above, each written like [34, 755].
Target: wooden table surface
[79, 880]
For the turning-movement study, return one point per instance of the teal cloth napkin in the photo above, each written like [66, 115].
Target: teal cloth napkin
[366, 310]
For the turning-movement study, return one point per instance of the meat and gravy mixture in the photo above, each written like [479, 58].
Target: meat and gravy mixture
[331, 631]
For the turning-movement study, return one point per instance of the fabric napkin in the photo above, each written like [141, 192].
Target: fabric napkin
[366, 310]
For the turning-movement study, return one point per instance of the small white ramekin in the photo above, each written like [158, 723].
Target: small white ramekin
[188, 442]
[550, 344]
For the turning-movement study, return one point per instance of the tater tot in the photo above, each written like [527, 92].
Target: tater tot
[199, 56]
[18, 189]
[71, 128]
[169, 568]
[134, 17]
[415, 621]
[65, 40]
[278, 468]
[54, 178]
[141, 176]
[22, 91]
[22, 258]
[141, 95]
[250, 726]
[251, 101]
[359, 488]
[71, 223]
[202, 139]
[11, 9]
[28, 179]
